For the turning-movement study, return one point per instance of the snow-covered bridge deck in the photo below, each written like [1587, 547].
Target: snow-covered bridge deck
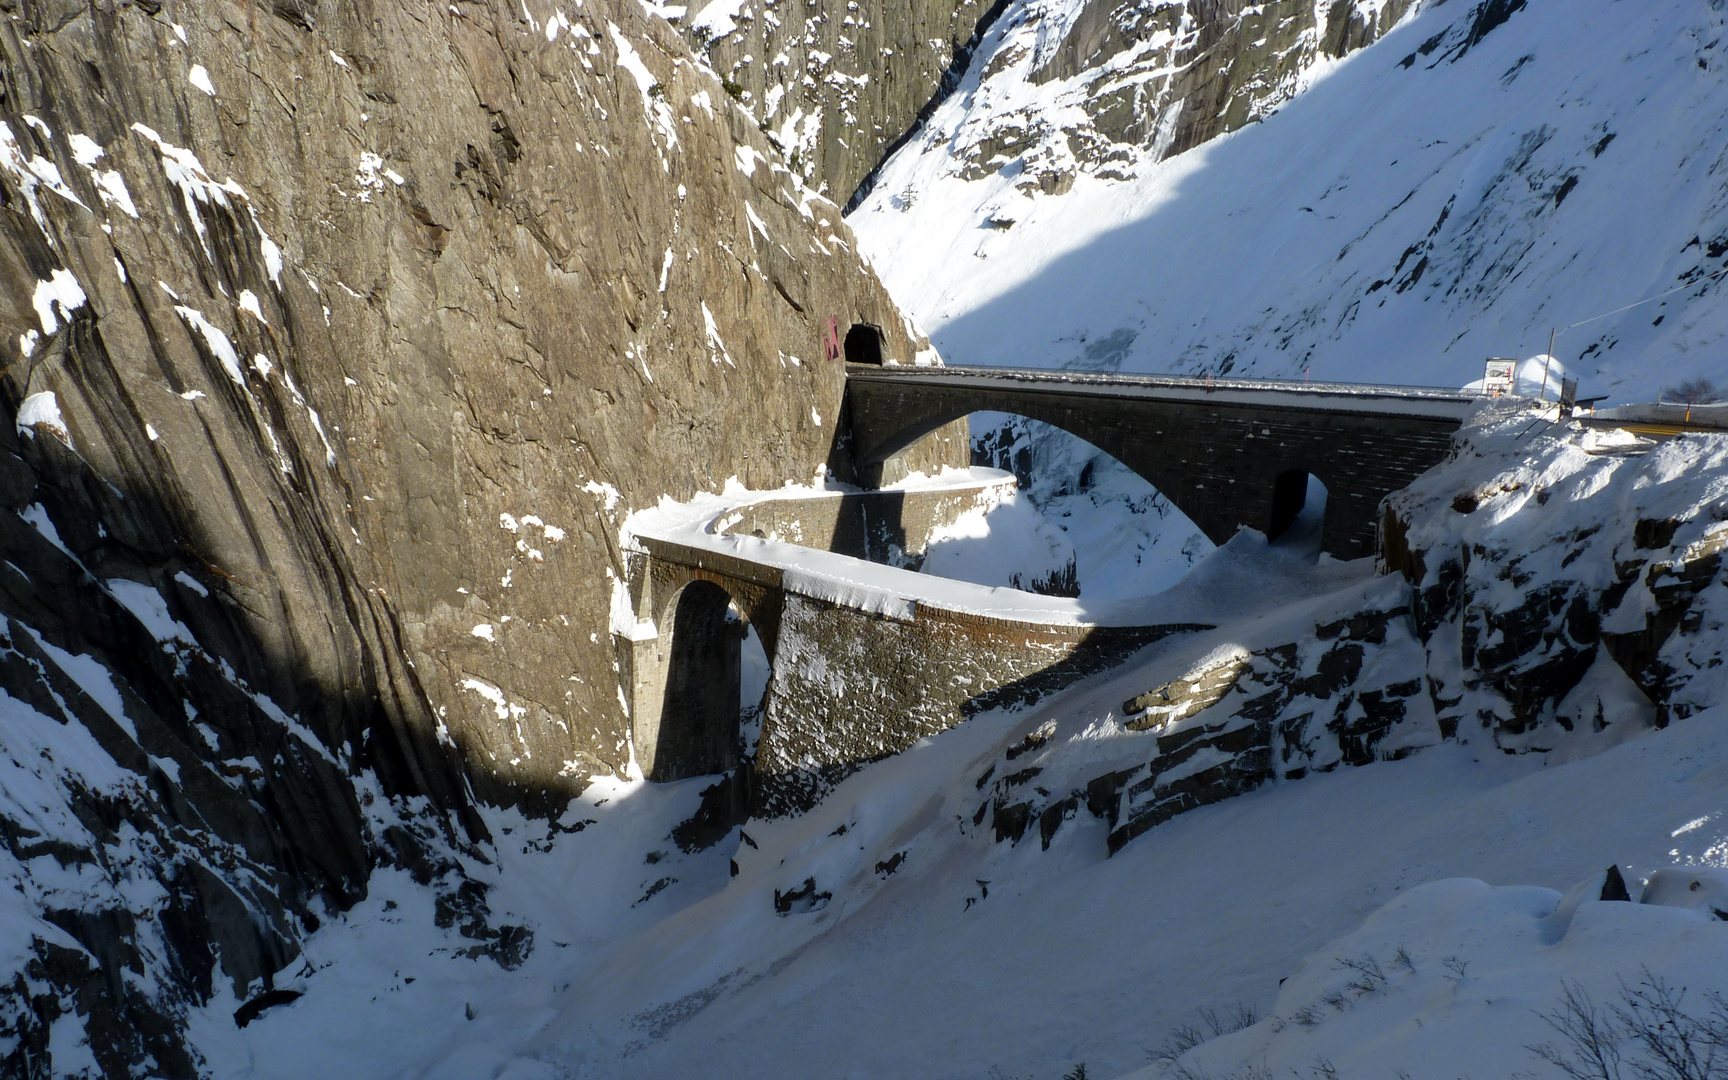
[1228, 452]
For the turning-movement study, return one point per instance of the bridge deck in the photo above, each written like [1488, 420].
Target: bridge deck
[688, 535]
[1428, 402]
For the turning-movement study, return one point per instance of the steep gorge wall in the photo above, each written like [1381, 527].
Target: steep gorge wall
[399, 321]
[838, 86]
[1130, 84]
[339, 338]
[836, 83]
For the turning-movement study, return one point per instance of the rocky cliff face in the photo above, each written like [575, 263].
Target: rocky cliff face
[835, 85]
[339, 337]
[1106, 88]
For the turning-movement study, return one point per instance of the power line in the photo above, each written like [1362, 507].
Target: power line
[1640, 303]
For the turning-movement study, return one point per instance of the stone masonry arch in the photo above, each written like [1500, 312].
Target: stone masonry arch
[698, 733]
[1216, 454]
[684, 665]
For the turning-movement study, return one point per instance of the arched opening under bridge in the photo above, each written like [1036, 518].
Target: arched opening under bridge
[716, 676]
[1117, 532]
[1298, 509]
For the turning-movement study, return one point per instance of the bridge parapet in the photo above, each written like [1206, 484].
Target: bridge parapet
[892, 526]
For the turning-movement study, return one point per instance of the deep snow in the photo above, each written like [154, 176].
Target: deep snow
[1072, 957]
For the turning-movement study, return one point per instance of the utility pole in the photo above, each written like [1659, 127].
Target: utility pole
[1547, 358]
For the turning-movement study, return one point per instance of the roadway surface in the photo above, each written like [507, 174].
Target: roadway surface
[1360, 398]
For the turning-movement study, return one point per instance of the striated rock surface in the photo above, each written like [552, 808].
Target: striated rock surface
[1170, 76]
[338, 338]
[838, 87]
[836, 84]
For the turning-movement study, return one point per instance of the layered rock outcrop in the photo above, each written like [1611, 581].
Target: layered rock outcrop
[836, 84]
[339, 339]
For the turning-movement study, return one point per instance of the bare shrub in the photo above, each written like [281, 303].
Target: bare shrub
[1670, 1043]
[1186, 1036]
[1249, 1072]
[1307, 1016]
[1182, 1038]
[1323, 1070]
[1591, 1037]
[1369, 976]
[1692, 392]
[1235, 1018]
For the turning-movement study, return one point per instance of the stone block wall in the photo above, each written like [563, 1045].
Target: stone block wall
[1217, 459]
[850, 687]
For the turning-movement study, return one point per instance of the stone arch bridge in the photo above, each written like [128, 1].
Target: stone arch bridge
[1227, 452]
[866, 659]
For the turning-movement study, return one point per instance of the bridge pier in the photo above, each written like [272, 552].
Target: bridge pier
[679, 663]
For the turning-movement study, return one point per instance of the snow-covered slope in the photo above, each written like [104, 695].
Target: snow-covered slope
[1482, 175]
[955, 911]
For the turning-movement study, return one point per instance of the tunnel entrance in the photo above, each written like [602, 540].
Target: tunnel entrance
[864, 344]
[699, 716]
[1298, 506]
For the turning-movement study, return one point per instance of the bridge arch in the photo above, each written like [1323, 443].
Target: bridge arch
[1215, 453]
[1108, 439]
[1299, 499]
[1115, 443]
[1098, 527]
[684, 681]
[698, 730]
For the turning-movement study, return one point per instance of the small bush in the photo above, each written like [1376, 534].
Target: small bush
[1185, 1037]
[1692, 392]
[1670, 1043]
[1369, 976]
[1249, 1072]
[1307, 1016]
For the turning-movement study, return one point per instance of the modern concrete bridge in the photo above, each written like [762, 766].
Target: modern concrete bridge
[1227, 452]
